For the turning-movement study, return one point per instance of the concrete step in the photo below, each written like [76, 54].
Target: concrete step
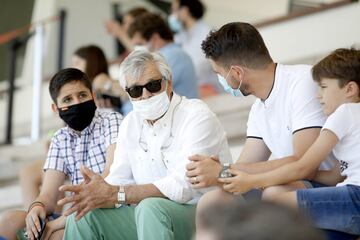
[232, 113]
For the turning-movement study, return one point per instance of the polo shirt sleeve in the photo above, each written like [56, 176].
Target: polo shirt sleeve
[252, 129]
[111, 124]
[204, 135]
[339, 122]
[306, 110]
[55, 158]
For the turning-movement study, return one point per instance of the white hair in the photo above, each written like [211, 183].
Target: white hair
[134, 65]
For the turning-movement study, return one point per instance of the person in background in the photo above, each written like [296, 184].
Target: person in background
[151, 31]
[120, 30]
[187, 21]
[91, 60]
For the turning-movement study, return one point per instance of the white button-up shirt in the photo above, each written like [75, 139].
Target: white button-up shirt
[158, 153]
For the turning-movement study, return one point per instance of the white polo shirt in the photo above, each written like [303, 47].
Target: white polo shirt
[291, 106]
[344, 123]
[159, 153]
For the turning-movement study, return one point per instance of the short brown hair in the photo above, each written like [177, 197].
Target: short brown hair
[237, 43]
[149, 23]
[135, 12]
[64, 77]
[342, 65]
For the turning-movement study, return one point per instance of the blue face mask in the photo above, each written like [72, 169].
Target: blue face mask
[228, 88]
[174, 23]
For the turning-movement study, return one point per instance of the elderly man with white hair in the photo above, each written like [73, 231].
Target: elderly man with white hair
[147, 194]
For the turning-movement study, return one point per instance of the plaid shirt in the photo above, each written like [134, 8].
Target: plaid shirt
[69, 150]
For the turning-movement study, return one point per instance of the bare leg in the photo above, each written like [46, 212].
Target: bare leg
[212, 197]
[30, 181]
[272, 192]
[10, 222]
[288, 199]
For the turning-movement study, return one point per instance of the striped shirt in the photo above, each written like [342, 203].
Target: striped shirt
[69, 150]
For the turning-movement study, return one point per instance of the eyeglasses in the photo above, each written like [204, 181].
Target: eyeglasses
[153, 86]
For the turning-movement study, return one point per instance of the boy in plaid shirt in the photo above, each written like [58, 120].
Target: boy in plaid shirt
[88, 139]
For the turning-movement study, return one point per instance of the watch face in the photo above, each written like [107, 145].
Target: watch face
[121, 197]
[225, 174]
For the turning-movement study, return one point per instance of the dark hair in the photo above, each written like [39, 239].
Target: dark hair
[342, 65]
[95, 60]
[196, 7]
[65, 76]
[135, 12]
[255, 221]
[237, 43]
[149, 23]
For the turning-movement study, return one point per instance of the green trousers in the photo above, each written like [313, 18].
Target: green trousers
[151, 219]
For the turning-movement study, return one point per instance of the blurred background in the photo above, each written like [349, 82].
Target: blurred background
[38, 37]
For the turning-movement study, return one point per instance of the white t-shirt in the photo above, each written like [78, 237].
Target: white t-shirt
[344, 123]
[291, 106]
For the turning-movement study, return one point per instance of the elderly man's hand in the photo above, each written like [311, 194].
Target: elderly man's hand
[203, 171]
[93, 193]
[239, 183]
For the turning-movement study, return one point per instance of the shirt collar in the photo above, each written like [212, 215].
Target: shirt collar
[274, 89]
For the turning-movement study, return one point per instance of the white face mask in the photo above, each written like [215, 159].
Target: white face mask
[235, 92]
[152, 108]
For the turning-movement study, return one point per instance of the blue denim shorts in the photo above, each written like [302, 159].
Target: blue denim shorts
[332, 208]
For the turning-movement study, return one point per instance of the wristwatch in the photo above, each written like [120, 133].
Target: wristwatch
[120, 197]
[225, 170]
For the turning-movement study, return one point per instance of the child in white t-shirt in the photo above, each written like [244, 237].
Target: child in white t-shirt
[333, 204]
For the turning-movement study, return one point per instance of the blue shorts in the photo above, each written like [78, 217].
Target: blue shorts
[332, 208]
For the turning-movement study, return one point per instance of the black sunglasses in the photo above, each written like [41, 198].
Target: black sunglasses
[136, 91]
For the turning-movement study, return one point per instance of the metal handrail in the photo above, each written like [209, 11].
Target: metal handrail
[303, 13]
[16, 42]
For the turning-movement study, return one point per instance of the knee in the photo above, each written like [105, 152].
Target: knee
[271, 193]
[150, 207]
[11, 221]
[85, 222]
[150, 204]
[85, 228]
[213, 197]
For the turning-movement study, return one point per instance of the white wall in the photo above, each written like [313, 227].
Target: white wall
[221, 12]
[313, 35]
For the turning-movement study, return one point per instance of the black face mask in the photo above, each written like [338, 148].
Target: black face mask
[78, 116]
